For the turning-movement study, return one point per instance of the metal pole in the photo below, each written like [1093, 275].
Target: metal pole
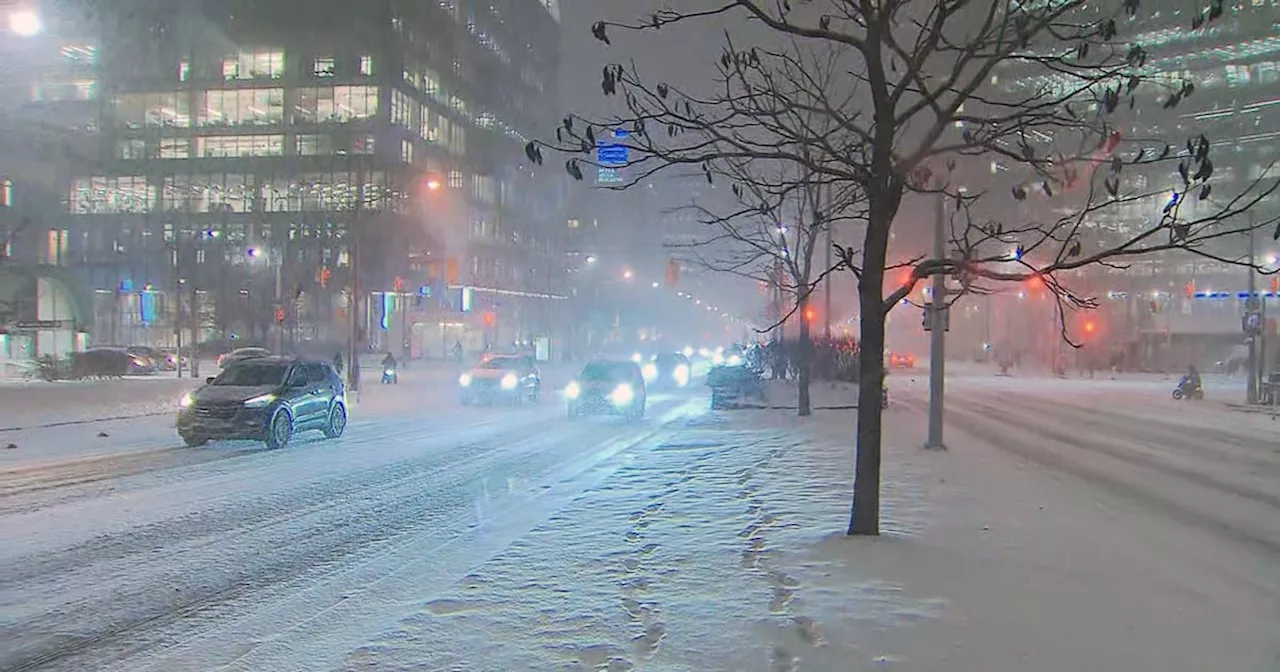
[177, 295]
[1250, 304]
[353, 304]
[826, 310]
[937, 334]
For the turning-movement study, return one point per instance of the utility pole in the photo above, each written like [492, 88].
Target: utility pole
[937, 333]
[353, 304]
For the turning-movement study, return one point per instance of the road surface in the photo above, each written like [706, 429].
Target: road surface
[137, 553]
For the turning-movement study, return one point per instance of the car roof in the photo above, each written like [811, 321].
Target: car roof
[282, 359]
[613, 364]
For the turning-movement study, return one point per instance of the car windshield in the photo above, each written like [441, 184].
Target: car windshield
[500, 363]
[605, 372]
[668, 360]
[253, 374]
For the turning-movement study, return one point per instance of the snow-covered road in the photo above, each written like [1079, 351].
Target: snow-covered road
[138, 550]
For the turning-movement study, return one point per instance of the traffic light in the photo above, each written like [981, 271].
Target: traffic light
[673, 272]
[810, 314]
[1090, 327]
[325, 274]
[399, 284]
[1191, 289]
[279, 315]
[490, 319]
[1275, 283]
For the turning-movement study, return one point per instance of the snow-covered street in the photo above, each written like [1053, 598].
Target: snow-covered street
[1071, 525]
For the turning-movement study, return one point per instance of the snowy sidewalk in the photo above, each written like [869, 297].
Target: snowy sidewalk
[723, 549]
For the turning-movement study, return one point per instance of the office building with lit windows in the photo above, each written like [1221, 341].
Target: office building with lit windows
[1153, 309]
[256, 155]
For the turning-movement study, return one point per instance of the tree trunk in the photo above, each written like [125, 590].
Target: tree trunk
[864, 519]
[804, 352]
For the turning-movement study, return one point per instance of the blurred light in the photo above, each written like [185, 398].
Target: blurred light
[650, 372]
[253, 252]
[681, 375]
[655, 284]
[572, 390]
[637, 358]
[1272, 259]
[24, 23]
[627, 274]
[688, 351]
[591, 259]
[622, 395]
[1088, 327]
[433, 184]
[509, 381]
[464, 380]
[782, 230]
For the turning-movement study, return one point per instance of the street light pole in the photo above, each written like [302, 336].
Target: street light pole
[937, 332]
[353, 304]
[1250, 305]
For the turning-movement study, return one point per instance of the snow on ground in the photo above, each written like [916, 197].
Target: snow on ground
[723, 550]
[1072, 525]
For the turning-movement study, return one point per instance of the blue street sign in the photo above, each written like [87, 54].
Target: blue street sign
[612, 155]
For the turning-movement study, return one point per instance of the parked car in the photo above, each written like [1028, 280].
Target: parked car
[158, 358]
[110, 362]
[266, 399]
[239, 354]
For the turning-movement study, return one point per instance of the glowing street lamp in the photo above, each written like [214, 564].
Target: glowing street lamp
[627, 274]
[24, 23]
[433, 184]
[655, 284]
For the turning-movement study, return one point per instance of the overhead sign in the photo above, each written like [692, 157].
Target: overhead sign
[41, 324]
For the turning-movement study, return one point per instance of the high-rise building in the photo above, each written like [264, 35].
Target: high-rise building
[257, 156]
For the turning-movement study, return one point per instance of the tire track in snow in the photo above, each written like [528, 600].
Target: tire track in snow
[65, 481]
[980, 421]
[1182, 435]
[302, 544]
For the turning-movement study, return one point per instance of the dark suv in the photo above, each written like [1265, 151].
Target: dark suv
[265, 399]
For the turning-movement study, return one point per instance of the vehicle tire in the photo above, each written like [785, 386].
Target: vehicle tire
[194, 440]
[1177, 394]
[337, 423]
[279, 430]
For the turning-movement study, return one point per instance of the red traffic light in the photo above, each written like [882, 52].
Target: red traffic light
[490, 318]
[279, 315]
[1089, 327]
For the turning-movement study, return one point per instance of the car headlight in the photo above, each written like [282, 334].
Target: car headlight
[187, 401]
[688, 351]
[260, 401]
[682, 375]
[622, 395]
[510, 381]
[650, 372]
[718, 359]
[734, 360]
[637, 358]
[464, 380]
[572, 390]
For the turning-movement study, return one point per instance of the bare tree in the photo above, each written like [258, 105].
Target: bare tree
[929, 87]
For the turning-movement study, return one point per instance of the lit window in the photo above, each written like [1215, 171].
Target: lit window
[175, 148]
[184, 70]
[130, 150]
[325, 67]
[93, 195]
[80, 53]
[401, 109]
[233, 146]
[362, 145]
[255, 64]
[573, 223]
[366, 65]
[242, 107]
[153, 110]
[406, 151]
[313, 145]
[334, 104]
[431, 84]
[6, 194]
[455, 179]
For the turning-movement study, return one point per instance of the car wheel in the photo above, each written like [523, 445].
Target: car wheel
[337, 422]
[194, 440]
[279, 431]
